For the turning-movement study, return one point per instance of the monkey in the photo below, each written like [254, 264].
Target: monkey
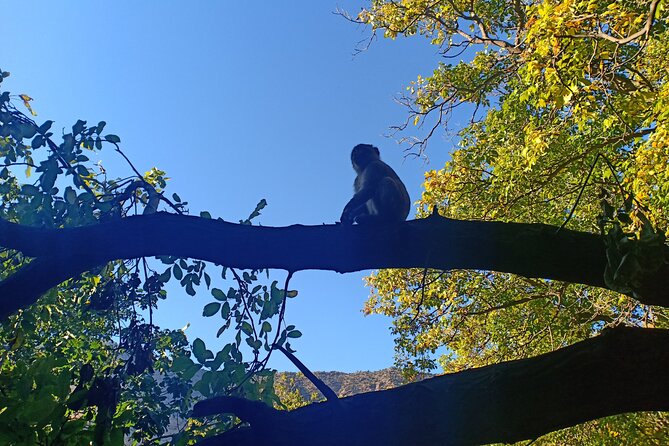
[380, 196]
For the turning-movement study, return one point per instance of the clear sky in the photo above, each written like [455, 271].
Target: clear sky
[237, 101]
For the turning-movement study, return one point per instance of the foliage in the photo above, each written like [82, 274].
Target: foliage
[566, 98]
[289, 395]
[86, 363]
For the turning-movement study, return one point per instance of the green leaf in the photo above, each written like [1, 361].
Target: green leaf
[255, 344]
[200, 351]
[165, 276]
[82, 171]
[211, 309]
[48, 179]
[294, 334]
[78, 127]
[29, 189]
[218, 294]
[246, 328]
[113, 139]
[260, 206]
[70, 195]
[225, 311]
[181, 363]
[177, 272]
[215, 364]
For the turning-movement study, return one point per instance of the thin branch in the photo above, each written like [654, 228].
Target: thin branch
[327, 392]
[645, 31]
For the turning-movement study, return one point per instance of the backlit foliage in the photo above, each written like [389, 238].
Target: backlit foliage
[86, 364]
[556, 89]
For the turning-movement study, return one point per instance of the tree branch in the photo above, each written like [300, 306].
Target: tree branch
[622, 370]
[530, 250]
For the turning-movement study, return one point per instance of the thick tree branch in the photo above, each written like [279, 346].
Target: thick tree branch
[622, 370]
[531, 250]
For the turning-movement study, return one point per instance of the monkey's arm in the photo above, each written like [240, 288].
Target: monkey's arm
[351, 211]
[367, 183]
[357, 205]
[360, 198]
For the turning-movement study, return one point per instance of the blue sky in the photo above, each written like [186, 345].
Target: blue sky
[237, 101]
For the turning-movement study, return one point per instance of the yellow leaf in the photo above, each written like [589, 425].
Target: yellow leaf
[26, 101]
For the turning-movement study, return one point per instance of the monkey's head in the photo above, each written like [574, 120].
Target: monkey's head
[362, 155]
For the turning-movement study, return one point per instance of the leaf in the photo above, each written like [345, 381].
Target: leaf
[37, 142]
[177, 272]
[165, 276]
[211, 309]
[26, 102]
[218, 294]
[260, 206]
[215, 364]
[246, 328]
[294, 334]
[82, 171]
[78, 127]
[200, 351]
[29, 189]
[225, 311]
[42, 129]
[276, 293]
[113, 139]
[181, 363]
[70, 195]
[48, 179]
[255, 344]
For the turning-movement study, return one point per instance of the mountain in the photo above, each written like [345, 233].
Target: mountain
[343, 384]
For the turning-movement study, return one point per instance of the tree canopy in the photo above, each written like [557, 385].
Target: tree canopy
[549, 268]
[569, 127]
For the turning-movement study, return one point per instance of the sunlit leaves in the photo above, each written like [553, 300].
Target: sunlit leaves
[560, 87]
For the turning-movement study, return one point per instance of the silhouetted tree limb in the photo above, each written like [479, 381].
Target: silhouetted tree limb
[622, 370]
[531, 250]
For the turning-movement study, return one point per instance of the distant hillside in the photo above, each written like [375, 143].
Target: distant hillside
[343, 384]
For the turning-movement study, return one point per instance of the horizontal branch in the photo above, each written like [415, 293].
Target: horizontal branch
[531, 250]
[622, 370]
